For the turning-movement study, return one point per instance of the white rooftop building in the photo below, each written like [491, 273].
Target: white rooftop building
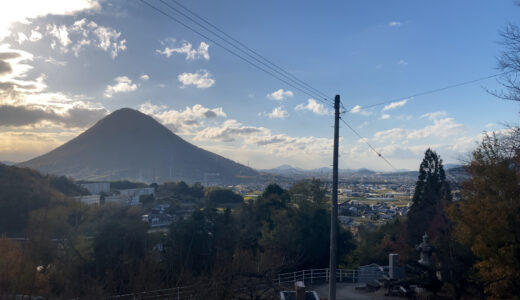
[96, 188]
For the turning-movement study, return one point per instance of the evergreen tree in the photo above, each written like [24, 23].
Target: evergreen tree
[431, 192]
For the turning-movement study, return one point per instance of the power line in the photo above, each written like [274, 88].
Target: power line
[233, 52]
[238, 48]
[364, 140]
[431, 91]
[243, 45]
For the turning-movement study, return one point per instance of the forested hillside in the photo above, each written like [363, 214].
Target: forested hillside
[23, 190]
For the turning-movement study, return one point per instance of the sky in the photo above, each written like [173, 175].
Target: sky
[66, 64]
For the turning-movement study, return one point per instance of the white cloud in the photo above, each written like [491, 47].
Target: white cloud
[21, 37]
[394, 24]
[81, 34]
[21, 144]
[24, 101]
[108, 40]
[280, 95]
[357, 109]
[394, 134]
[229, 131]
[182, 121]
[277, 113]
[202, 79]
[14, 67]
[261, 144]
[385, 116]
[24, 10]
[90, 33]
[402, 62]
[233, 139]
[187, 48]
[442, 128]
[123, 85]
[53, 61]
[279, 144]
[144, 77]
[434, 115]
[314, 106]
[61, 35]
[395, 105]
[33, 120]
[35, 36]
[364, 124]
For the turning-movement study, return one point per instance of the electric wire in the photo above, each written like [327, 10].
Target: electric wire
[309, 89]
[250, 50]
[370, 146]
[411, 97]
[236, 54]
[295, 82]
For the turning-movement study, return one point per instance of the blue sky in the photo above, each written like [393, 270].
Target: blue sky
[67, 64]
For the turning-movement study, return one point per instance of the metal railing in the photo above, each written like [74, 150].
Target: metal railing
[313, 276]
[212, 290]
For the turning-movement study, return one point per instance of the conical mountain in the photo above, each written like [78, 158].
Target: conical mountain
[128, 144]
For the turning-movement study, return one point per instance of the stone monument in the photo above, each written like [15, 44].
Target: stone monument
[426, 250]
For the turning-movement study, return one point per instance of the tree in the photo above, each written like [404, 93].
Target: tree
[118, 251]
[308, 191]
[295, 233]
[509, 63]
[488, 218]
[432, 191]
[195, 245]
[218, 196]
[17, 274]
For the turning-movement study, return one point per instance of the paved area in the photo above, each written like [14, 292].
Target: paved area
[347, 291]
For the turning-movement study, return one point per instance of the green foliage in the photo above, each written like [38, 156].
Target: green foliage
[119, 248]
[301, 237]
[308, 191]
[125, 184]
[175, 191]
[107, 249]
[217, 196]
[432, 194]
[488, 219]
[194, 245]
[375, 244]
[66, 186]
[431, 191]
[22, 191]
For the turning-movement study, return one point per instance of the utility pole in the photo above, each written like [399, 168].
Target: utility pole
[334, 212]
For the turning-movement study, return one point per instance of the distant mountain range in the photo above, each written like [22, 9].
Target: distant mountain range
[454, 172]
[128, 144]
[288, 170]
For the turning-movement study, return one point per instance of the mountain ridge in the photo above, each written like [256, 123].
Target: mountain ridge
[128, 144]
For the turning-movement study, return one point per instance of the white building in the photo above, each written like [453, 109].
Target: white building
[131, 196]
[96, 188]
